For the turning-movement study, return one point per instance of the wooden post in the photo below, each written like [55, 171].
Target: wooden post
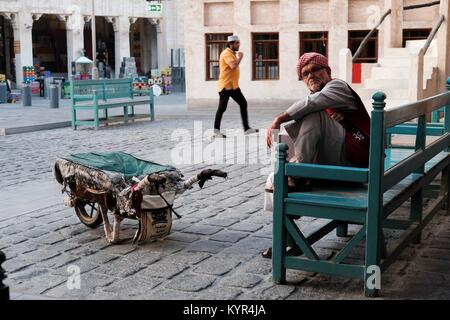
[279, 228]
[4, 289]
[375, 193]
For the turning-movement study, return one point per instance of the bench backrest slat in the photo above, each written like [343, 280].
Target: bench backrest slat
[385, 178]
[104, 89]
[411, 111]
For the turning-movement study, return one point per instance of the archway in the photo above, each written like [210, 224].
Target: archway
[143, 45]
[50, 44]
[7, 55]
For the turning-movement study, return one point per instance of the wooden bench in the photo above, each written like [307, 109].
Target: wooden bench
[99, 95]
[394, 176]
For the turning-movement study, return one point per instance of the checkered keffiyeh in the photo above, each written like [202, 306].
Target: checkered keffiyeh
[312, 57]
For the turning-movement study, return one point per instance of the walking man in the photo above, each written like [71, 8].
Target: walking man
[228, 86]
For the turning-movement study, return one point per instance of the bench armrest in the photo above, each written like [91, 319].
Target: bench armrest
[327, 172]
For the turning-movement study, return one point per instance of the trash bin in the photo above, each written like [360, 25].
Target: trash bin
[26, 95]
[3, 92]
[54, 95]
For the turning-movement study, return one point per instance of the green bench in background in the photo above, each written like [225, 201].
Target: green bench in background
[99, 95]
[394, 176]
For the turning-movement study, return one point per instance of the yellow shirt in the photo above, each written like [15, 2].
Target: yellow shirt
[228, 78]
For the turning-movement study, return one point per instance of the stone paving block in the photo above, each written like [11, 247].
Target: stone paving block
[12, 240]
[39, 285]
[207, 246]
[34, 233]
[40, 255]
[265, 232]
[87, 249]
[229, 236]
[202, 229]
[162, 269]
[221, 222]
[143, 257]
[241, 280]
[84, 265]
[190, 282]
[119, 249]
[246, 226]
[217, 266]
[258, 266]
[132, 286]
[179, 226]
[271, 292]
[160, 293]
[120, 268]
[233, 201]
[438, 254]
[251, 245]
[183, 237]
[58, 261]
[16, 264]
[187, 258]
[220, 293]
[51, 238]
[89, 282]
[164, 246]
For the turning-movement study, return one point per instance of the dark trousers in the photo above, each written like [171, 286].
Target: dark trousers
[223, 102]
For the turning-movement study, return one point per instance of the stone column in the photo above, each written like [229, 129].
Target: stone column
[75, 38]
[393, 24]
[23, 43]
[161, 46]
[121, 26]
[338, 33]
[443, 37]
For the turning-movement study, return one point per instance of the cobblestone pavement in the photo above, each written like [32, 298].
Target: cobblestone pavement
[211, 253]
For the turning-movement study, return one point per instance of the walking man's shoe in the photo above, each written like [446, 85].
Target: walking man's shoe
[218, 134]
[250, 131]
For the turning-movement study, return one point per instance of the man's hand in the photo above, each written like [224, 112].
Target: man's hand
[239, 55]
[274, 126]
[276, 123]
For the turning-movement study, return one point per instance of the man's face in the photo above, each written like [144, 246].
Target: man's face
[315, 77]
[235, 46]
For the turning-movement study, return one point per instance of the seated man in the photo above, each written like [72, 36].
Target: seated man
[331, 126]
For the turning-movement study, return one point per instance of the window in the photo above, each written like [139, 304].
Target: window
[215, 44]
[415, 34]
[314, 42]
[369, 53]
[265, 56]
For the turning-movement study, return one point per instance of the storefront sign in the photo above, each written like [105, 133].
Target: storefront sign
[155, 6]
[17, 47]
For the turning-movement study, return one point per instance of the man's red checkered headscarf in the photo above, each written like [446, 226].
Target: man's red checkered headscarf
[312, 57]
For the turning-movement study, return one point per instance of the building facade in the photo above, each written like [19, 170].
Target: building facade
[274, 33]
[53, 33]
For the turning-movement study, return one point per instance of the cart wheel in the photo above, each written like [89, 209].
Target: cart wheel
[89, 213]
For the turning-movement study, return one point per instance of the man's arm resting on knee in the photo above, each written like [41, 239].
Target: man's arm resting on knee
[275, 125]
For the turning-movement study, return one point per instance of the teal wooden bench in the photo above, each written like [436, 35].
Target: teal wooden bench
[99, 95]
[394, 176]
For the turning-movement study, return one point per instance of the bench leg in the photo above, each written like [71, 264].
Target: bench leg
[125, 114]
[279, 248]
[106, 113]
[416, 211]
[372, 274]
[342, 230]
[152, 111]
[96, 119]
[445, 180]
[74, 118]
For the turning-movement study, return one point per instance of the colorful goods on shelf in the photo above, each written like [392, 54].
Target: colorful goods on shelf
[29, 74]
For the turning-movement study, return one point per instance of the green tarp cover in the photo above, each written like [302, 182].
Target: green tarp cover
[120, 162]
